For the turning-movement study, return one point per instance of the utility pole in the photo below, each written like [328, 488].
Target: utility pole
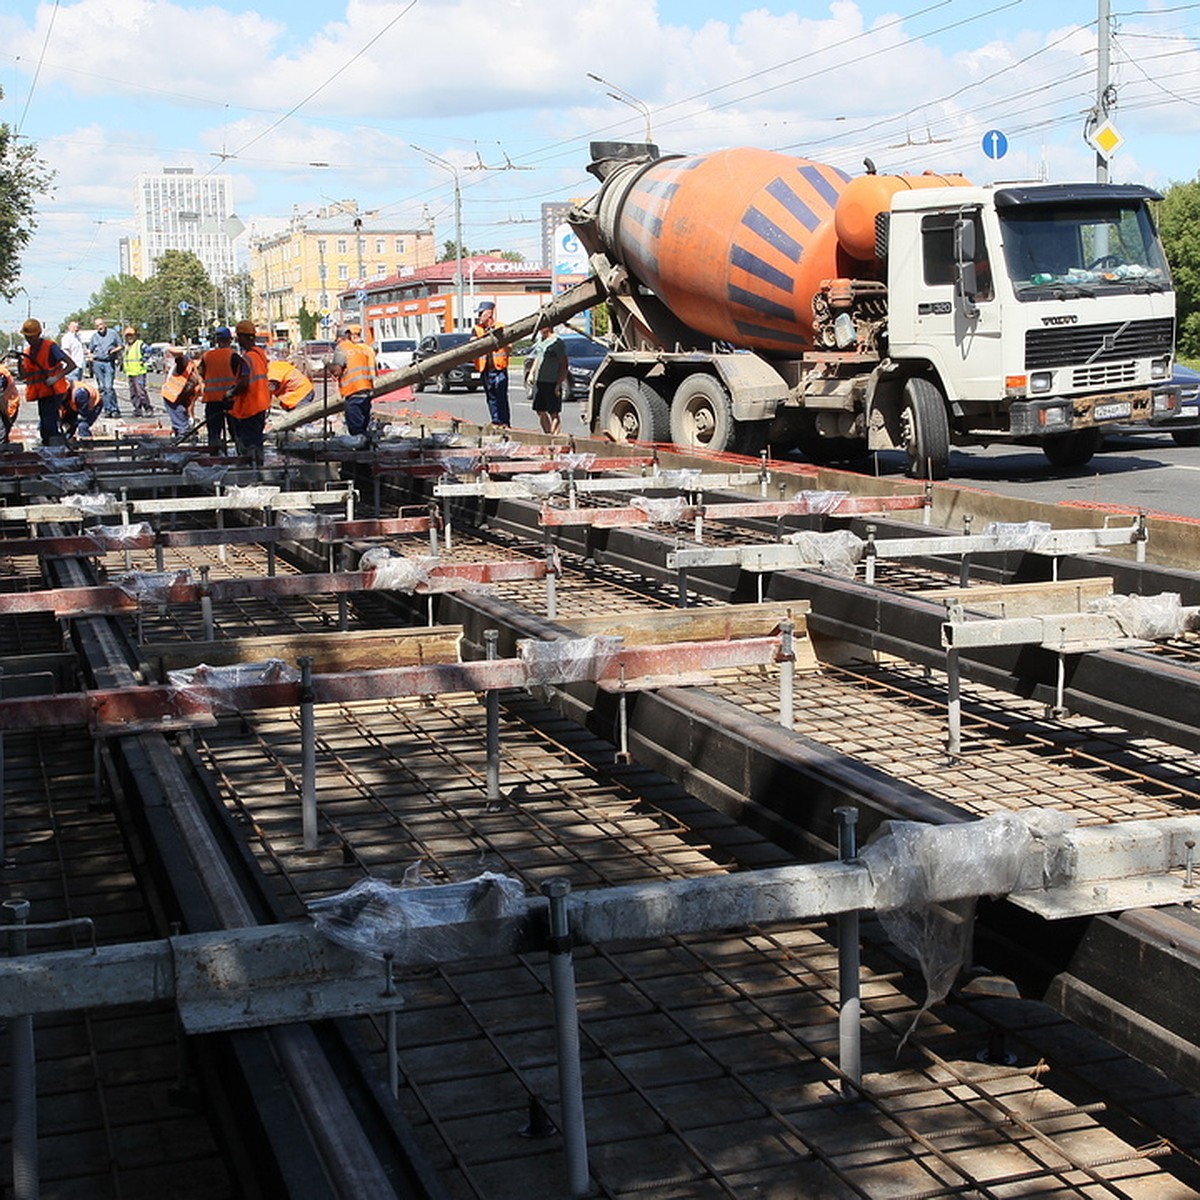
[459, 299]
[1105, 94]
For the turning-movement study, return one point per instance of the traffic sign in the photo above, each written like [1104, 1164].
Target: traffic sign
[183, 306]
[1106, 140]
[995, 144]
[360, 296]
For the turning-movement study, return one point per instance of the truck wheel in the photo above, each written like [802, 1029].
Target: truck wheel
[632, 411]
[1072, 449]
[1186, 437]
[702, 415]
[926, 430]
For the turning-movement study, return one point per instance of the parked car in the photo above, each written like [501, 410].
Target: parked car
[393, 353]
[314, 358]
[463, 376]
[1185, 424]
[584, 355]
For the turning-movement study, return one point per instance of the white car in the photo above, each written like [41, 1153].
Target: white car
[394, 353]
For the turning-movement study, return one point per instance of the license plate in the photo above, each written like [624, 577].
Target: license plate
[1108, 412]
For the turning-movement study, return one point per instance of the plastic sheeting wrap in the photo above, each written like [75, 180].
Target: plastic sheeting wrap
[200, 475]
[462, 464]
[222, 682]
[427, 924]
[95, 503]
[576, 462]
[1019, 535]
[117, 535]
[152, 587]
[685, 479]
[567, 660]
[837, 552]
[550, 483]
[71, 481]
[667, 511]
[1148, 618]
[909, 862]
[822, 503]
[255, 496]
[350, 441]
[395, 572]
[305, 526]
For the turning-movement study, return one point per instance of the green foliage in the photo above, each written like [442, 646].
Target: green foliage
[308, 321]
[122, 300]
[23, 177]
[180, 277]
[1179, 224]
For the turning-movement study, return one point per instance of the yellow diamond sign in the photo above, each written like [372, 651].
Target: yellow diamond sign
[1106, 140]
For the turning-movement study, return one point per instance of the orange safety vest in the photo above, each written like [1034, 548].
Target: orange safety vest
[10, 395]
[289, 386]
[43, 378]
[358, 375]
[218, 373]
[175, 385]
[256, 397]
[496, 360]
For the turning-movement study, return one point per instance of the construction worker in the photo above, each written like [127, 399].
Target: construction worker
[180, 388]
[135, 372]
[289, 385]
[44, 367]
[80, 409]
[250, 396]
[10, 402]
[354, 367]
[218, 368]
[493, 366]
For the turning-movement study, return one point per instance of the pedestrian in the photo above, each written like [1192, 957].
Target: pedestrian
[10, 402]
[135, 372]
[493, 366]
[72, 344]
[546, 371]
[180, 388]
[80, 409]
[251, 395]
[218, 368]
[353, 366]
[104, 347]
[44, 367]
[289, 385]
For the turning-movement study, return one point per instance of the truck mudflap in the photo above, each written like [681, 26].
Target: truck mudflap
[1051, 415]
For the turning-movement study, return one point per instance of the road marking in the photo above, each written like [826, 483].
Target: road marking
[1183, 467]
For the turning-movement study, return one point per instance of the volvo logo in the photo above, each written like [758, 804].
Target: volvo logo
[1070, 319]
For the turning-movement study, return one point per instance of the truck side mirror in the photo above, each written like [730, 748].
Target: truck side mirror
[966, 280]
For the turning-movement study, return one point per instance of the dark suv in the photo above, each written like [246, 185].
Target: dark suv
[463, 376]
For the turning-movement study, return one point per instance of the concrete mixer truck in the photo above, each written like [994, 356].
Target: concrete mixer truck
[762, 298]
[758, 298]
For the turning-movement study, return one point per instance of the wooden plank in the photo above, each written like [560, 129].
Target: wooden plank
[330, 652]
[1027, 599]
[693, 624]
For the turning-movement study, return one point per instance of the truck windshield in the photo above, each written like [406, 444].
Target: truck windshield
[1082, 250]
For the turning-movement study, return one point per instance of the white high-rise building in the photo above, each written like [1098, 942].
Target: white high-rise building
[180, 210]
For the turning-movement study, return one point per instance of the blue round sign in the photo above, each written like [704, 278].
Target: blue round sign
[995, 144]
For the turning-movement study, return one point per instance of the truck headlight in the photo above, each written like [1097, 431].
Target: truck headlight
[1055, 414]
[1160, 368]
[1040, 382]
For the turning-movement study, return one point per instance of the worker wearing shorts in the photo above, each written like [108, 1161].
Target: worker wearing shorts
[546, 376]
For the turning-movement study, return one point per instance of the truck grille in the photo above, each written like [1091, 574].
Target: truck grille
[1101, 375]
[1088, 345]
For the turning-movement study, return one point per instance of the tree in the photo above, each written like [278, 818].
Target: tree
[181, 294]
[121, 300]
[307, 321]
[23, 177]
[1179, 224]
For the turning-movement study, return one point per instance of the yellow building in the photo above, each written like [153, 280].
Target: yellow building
[318, 256]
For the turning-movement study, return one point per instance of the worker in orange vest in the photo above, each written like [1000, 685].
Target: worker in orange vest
[80, 409]
[10, 402]
[289, 385]
[250, 396]
[493, 366]
[218, 369]
[44, 366]
[354, 366]
[180, 389]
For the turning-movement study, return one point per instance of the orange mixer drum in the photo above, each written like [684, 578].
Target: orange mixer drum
[736, 243]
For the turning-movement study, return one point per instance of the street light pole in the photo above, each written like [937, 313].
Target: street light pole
[458, 244]
[617, 92]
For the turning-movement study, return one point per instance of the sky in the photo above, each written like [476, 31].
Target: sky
[388, 101]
